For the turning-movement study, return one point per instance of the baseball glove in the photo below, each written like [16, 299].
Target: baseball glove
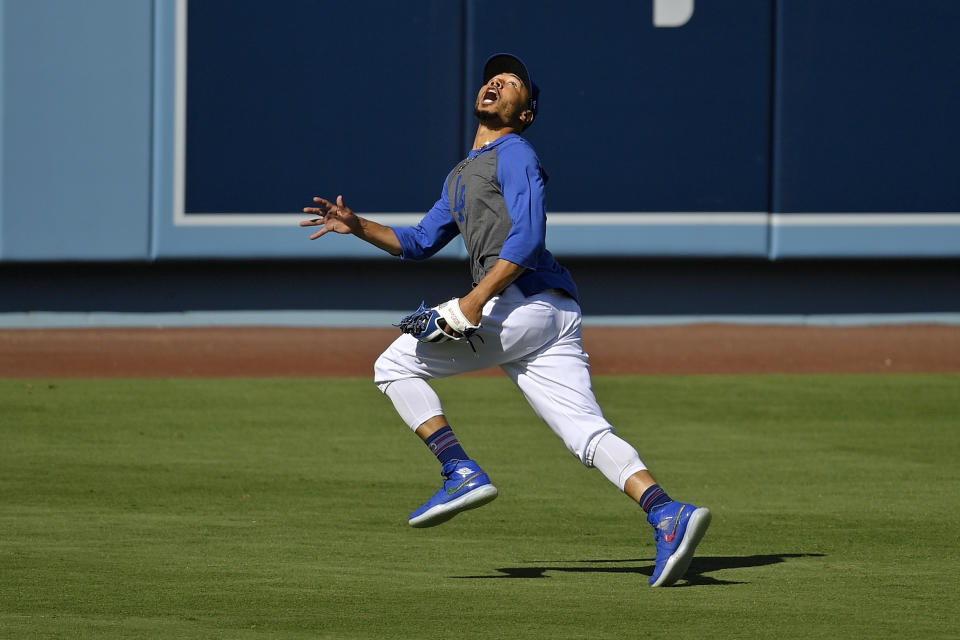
[428, 324]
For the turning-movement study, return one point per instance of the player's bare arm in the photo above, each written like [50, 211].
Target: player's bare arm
[471, 305]
[499, 278]
[340, 218]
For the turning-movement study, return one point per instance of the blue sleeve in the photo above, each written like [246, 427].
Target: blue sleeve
[434, 231]
[521, 180]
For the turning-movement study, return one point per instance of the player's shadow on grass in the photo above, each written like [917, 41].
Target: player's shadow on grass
[695, 575]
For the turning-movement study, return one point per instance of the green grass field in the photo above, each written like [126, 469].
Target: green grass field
[277, 509]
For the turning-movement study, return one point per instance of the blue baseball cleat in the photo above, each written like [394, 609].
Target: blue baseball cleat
[678, 528]
[467, 486]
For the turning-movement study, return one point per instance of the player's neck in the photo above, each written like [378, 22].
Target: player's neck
[486, 135]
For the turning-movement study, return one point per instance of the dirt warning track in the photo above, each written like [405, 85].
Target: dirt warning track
[309, 352]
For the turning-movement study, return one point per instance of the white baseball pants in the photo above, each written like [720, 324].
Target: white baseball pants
[537, 341]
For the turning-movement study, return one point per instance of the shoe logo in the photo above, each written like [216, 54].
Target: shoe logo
[466, 481]
[669, 522]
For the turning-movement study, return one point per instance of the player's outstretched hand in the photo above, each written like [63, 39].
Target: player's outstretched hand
[338, 217]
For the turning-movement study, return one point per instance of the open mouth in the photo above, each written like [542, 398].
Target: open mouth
[490, 96]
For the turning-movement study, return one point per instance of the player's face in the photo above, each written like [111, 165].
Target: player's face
[504, 98]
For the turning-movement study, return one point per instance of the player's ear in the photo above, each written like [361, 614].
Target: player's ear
[526, 117]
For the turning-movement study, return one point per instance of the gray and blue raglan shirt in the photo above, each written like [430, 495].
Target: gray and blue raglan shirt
[494, 199]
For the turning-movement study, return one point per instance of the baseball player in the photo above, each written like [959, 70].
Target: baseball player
[522, 315]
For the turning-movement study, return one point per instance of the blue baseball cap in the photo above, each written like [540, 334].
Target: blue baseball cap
[509, 63]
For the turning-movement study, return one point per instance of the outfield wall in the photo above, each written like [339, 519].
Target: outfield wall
[143, 130]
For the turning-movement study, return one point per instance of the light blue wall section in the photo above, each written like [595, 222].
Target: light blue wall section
[661, 240]
[894, 238]
[76, 87]
[3, 74]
